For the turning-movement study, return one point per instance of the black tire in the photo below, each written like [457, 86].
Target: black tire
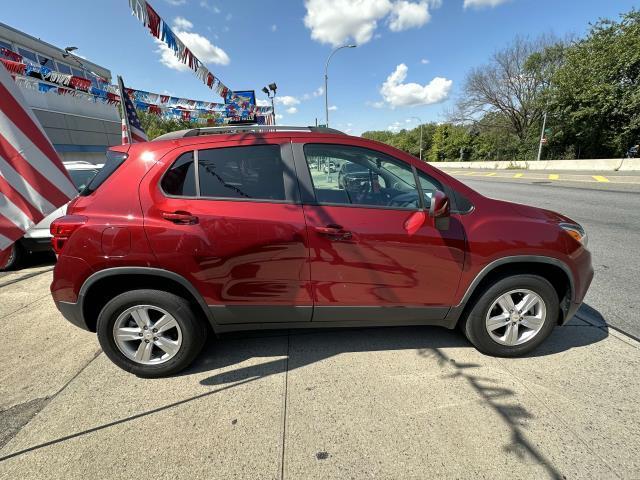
[474, 326]
[193, 330]
[14, 260]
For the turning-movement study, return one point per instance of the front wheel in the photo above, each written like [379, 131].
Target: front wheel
[150, 333]
[513, 316]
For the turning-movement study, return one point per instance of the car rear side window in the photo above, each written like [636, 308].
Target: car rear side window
[245, 172]
[180, 179]
[114, 160]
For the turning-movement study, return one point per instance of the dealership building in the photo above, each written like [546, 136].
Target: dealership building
[79, 129]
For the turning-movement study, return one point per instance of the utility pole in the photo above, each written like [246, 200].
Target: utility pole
[326, 82]
[544, 125]
[420, 120]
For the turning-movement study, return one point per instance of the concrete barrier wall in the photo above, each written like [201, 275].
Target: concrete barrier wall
[605, 165]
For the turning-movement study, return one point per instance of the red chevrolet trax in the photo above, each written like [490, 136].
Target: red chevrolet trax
[212, 230]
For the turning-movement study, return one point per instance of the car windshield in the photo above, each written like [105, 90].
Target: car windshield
[81, 178]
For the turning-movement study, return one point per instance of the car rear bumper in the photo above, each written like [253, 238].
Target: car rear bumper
[73, 313]
[36, 244]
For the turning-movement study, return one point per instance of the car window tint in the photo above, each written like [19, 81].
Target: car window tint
[180, 179]
[114, 160]
[360, 177]
[247, 172]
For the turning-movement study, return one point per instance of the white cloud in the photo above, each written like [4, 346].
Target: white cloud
[201, 47]
[395, 127]
[279, 117]
[424, 61]
[405, 15]
[319, 91]
[338, 21]
[287, 101]
[181, 23]
[176, 3]
[263, 103]
[228, 17]
[369, 103]
[398, 94]
[292, 110]
[209, 6]
[483, 3]
[333, 108]
[274, 27]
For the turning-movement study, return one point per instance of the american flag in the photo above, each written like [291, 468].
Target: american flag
[33, 181]
[136, 131]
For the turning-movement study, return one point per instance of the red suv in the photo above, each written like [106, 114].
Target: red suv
[214, 229]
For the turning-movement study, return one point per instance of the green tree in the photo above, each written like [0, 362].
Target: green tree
[594, 95]
[155, 126]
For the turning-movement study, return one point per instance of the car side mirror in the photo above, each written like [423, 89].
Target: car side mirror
[440, 210]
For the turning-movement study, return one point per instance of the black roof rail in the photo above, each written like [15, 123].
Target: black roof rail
[231, 129]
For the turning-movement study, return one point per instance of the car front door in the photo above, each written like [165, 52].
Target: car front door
[227, 216]
[363, 253]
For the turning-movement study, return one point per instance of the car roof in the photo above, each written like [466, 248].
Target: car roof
[244, 129]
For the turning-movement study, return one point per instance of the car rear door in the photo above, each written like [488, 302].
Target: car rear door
[364, 255]
[228, 217]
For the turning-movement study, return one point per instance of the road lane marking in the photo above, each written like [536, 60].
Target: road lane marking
[518, 175]
[491, 174]
[600, 178]
[554, 176]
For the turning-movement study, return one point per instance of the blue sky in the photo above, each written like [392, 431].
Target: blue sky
[411, 59]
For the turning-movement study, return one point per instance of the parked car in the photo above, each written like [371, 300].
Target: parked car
[38, 238]
[352, 173]
[328, 167]
[204, 231]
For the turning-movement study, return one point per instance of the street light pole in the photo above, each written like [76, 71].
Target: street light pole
[420, 120]
[544, 125]
[326, 81]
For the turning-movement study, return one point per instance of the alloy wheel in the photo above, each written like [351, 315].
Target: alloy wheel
[516, 317]
[147, 334]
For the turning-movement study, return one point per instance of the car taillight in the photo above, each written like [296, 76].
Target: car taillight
[62, 228]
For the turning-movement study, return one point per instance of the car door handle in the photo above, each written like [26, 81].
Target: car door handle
[334, 232]
[181, 218]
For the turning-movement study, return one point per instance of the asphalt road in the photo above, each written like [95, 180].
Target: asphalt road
[609, 211]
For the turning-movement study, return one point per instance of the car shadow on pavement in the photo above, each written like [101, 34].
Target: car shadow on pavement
[220, 353]
[312, 346]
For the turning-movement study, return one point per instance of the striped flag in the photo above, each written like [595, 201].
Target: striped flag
[134, 131]
[33, 181]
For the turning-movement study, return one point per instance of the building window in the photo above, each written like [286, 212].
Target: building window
[46, 62]
[62, 68]
[77, 73]
[28, 54]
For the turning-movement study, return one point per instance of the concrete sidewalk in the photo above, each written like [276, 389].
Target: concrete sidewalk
[358, 403]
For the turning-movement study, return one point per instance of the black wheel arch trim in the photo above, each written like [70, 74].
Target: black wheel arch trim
[145, 271]
[457, 310]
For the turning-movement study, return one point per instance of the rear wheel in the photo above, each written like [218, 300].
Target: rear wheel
[513, 316]
[150, 333]
[12, 259]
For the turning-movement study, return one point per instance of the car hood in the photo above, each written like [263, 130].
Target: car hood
[538, 213]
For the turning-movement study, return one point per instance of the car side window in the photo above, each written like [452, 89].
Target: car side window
[244, 172]
[429, 187]
[349, 175]
[180, 178]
